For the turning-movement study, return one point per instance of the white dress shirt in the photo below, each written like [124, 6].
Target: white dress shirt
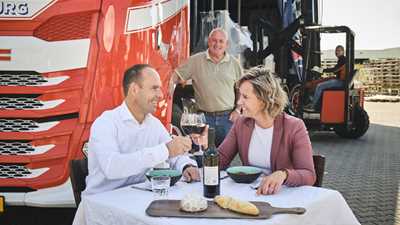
[121, 150]
[260, 148]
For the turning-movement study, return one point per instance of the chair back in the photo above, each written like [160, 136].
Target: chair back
[78, 173]
[319, 166]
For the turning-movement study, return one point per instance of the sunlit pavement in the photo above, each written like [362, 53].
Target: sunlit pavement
[367, 170]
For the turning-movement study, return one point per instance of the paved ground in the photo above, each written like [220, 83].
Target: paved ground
[387, 114]
[366, 171]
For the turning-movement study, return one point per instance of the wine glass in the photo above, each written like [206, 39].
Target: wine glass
[193, 123]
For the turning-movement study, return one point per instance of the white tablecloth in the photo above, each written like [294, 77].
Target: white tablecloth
[127, 206]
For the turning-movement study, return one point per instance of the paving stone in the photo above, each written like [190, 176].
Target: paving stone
[365, 171]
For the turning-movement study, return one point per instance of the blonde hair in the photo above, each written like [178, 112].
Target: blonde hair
[267, 89]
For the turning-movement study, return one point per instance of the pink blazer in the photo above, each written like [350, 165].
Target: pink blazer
[291, 148]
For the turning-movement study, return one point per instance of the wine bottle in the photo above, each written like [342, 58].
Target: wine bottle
[211, 167]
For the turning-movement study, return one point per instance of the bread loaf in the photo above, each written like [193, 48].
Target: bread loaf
[222, 201]
[236, 205]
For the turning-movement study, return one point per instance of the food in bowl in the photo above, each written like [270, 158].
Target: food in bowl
[244, 174]
[175, 175]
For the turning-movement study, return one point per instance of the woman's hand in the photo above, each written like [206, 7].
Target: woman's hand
[272, 183]
[235, 114]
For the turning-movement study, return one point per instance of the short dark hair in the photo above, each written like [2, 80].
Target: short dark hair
[340, 46]
[133, 74]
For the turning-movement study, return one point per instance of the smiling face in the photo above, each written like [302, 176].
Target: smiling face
[217, 44]
[147, 93]
[252, 106]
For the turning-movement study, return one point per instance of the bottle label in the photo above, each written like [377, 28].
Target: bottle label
[211, 175]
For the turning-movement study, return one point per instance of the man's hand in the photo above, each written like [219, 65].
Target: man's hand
[191, 173]
[172, 82]
[178, 146]
[201, 139]
[234, 115]
[272, 183]
[317, 69]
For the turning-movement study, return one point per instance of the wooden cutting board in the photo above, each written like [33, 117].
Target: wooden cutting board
[170, 208]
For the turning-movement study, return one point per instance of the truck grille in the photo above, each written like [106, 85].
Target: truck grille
[15, 148]
[19, 171]
[18, 125]
[14, 171]
[65, 27]
[19, 103]
[21, 79]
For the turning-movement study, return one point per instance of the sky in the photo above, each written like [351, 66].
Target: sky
[376, 23]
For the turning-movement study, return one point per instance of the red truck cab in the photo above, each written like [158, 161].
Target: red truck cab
[61, 66]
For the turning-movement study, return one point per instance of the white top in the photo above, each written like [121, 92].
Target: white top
[121, 150]
[260, 148]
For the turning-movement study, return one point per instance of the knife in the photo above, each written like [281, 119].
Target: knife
[223, 177]
[141, 188]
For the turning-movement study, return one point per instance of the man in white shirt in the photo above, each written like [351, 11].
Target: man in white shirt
[127, 141]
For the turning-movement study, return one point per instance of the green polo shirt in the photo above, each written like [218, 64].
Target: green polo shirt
[213, 83]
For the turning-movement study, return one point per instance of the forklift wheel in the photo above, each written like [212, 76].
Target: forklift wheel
[294, 100]
[359, 128]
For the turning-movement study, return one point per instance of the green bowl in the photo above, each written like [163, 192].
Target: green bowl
[244, 174]
[175, 175]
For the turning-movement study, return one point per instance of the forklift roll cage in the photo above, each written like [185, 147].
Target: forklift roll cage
[312, 61]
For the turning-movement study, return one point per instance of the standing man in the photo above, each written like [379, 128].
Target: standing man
[213, 73]
[127, 141]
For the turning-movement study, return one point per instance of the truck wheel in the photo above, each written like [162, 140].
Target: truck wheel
[359, 127]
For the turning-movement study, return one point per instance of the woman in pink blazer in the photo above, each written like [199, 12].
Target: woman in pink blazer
[266, 137]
